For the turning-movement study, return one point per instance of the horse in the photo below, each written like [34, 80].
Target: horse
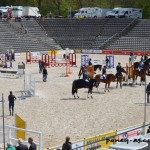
[109, 78]
[141, 73]
[119, 77]
[80, 83]
[97, 67]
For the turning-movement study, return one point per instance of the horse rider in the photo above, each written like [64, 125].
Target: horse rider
[104, 72]
[145, 57]
[142, 59]
[140, 66]
[131, 58]
[90, 63]
[118, 69]
[84, 72]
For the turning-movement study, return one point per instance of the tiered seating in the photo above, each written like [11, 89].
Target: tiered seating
[84, 33]
[137, 39]
[11, 37]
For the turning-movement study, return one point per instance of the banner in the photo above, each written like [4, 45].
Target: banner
[124, 52]
[93, 142]
[126, 133]
[20, 123]
[85, 51]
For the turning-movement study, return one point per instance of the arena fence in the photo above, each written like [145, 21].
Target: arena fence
[99, 141]
[11, 137]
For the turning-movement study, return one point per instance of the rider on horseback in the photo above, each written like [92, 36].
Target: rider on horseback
[104, 72]
[84, 72]
[118, 69]
[140, 66]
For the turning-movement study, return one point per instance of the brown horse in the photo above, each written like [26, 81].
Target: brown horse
[109, 78]
[119, 77]
[142, 73]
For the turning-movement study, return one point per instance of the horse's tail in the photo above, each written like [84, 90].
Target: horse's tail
[73, 88]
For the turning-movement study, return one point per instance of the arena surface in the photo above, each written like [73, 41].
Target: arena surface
[55, 112]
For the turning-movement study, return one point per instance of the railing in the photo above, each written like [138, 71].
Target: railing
[10, 135]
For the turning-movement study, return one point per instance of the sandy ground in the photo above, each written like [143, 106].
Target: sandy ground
[55, 112]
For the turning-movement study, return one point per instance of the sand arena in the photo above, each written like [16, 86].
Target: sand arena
[55, 112]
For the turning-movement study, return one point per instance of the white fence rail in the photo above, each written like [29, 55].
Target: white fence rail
[10, 135]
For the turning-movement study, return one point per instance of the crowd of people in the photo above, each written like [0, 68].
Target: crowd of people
[21, 145]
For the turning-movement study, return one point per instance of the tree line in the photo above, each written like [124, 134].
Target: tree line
[60, 7]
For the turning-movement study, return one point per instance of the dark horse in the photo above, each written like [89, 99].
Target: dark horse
[119, 77]
[80, 83]
[109, 78]
[143, 72]
[97, 67]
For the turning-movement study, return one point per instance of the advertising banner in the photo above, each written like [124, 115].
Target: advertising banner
[93, 142]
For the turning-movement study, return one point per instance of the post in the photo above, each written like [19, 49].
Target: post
[24, 79]
[3, 121]
[145, 101]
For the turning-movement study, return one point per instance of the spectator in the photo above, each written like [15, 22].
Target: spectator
[32, 144]
[107, 61]
[148, 92]
[67, 145]
[90, 63]
[45, 74]
[40, 66]
[10, 146]
[21, 146]
[11, 99]
[148, 130]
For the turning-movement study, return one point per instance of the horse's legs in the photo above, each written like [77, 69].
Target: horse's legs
[77, 93]
[117, 83]
[105, 87]
[108, 86]
[121, 83]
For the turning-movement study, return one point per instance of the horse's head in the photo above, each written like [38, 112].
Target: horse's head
[123, 70]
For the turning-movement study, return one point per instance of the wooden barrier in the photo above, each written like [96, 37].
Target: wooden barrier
[130, 72]
[50, 59]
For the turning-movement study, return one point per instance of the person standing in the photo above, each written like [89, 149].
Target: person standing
[21, 146]
[148, 92]
[118, 70]
[11, 99]
[10, 146]
[90, 63]
[107, 61]
[67, 145]
[45, 74]
[148, 130]
[32, 144]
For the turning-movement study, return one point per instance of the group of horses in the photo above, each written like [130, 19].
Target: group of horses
[94, 82]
